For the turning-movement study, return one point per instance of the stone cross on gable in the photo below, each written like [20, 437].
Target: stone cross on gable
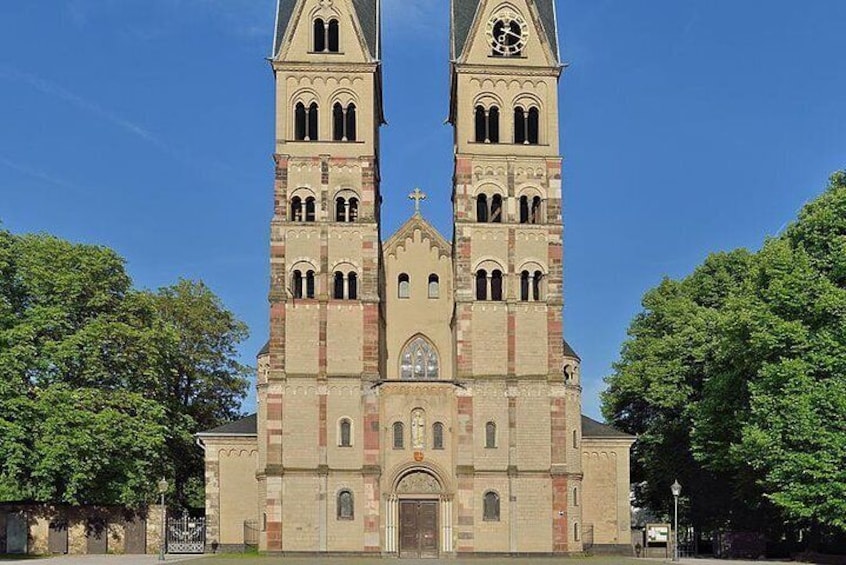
[417, 195]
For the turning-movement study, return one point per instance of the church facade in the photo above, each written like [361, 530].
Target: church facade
[417, 397]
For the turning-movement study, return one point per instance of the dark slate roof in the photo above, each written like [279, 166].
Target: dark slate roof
[464, 12]
[264, 350]
[593, 429]
[368, 16]
[570, 352]
[244, 427]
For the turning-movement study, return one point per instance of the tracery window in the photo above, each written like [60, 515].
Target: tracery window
[419, 361]
[346, 510]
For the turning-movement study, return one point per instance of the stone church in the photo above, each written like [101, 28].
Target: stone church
[417, 397]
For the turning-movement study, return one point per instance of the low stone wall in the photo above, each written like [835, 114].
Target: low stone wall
[55, 529]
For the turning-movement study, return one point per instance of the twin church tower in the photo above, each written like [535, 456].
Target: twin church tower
[416, 397]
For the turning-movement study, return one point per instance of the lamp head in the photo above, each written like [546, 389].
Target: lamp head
[676, 488]
[162, 486]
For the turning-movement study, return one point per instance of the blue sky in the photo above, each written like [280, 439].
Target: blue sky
[687, 127]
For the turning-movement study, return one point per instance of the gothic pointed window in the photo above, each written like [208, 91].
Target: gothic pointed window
[310, 209]
[524, 286]
[300, 128]
[399, 435]
[297, 284]
[519, 125]
[493, 124]
[403, 286]
[333, 40]
[296, 209]
[481, 285]
[338, 287]
[337, 122]
[352, 283]
[312, 119]
[496, 209]
[310, 284]
[482, 208]
[533, 126]
[419, 361]
[496, 285]
[345, 433]
[481, 125]
[346, 510]
[319, 35]
[490, 435]
[490, 507]
[438, 436]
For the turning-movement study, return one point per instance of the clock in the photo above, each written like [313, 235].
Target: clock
[507, 34]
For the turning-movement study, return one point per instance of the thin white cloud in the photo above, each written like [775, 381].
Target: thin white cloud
[38, 174]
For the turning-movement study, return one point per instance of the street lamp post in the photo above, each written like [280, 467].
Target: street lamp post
[676, 490]
[162, 490]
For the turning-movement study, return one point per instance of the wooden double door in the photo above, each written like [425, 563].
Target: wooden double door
[418, 528]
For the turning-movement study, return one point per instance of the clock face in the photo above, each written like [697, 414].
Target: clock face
[507, 33]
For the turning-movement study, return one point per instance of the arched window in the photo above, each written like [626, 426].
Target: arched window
[340, 209]
[536, 285]
[399, 436]
[309, 209]
[575, 497]
[537, 215]
[493, 124]
[419, 361]
[481, 125]
[352, 286]
[575, 439]
[533, 127]
[345, 505]
[297, 284]
[334, 43]
[338, 287]
[524, 286]
[490, 507]
[350, 123]
[519, 125]
[353, 212]
[403, 286]
[496, 209]
[300, 119]
[524, 209]
[434, 284]
[438, 436]
[345, 433]
[296, 209]
[496, 285]
[337, 122]
[490, 435]
[576, 531]
[310, 284]
[481, 285]
[319, 35]
[312, 120]
[482, 208]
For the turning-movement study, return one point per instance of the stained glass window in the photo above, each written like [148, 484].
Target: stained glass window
[419, 361]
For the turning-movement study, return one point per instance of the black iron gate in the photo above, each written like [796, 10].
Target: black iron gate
[186, 534]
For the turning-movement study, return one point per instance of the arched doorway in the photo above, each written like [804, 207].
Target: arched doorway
[419, 520]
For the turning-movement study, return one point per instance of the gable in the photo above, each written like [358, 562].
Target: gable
[465, 13]
[364, 13]
[427, 233]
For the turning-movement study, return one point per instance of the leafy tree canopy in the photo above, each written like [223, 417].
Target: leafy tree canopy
[102, 386]
[734, 379]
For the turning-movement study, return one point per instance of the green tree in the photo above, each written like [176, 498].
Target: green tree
[737, 374]
[102, 386]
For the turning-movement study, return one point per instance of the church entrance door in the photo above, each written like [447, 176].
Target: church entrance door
[418, 528]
